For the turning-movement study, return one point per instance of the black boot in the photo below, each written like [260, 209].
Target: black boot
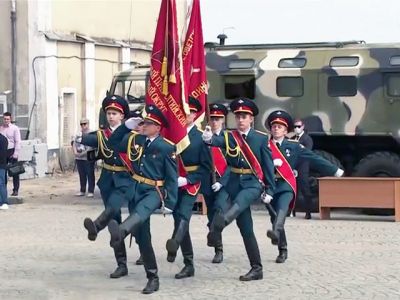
[120, 255]
[188, 269]
[307, 216]
[187, 253]
[173, 243]
[282, 257]
[277, 227]
[220, 221]
[139, 261]
[219, 255]
[253, 253]
[119, 232]
[255, 273]
[93, 227]
[150, 266]
[282, 246]
[153, 284]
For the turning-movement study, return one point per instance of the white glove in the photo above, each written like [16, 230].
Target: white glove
[207, 135]
[132, 123]
[182, 181]
[278, 162]
[216, 187]
[339, 172]
[266, 198]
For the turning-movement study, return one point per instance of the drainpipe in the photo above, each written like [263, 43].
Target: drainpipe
[13, 58]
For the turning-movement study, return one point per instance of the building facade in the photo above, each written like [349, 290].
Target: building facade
[66, 53]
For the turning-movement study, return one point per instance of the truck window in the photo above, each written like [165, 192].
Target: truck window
[132, 90]
[344, 61]
[239, 86]
[392, 84]
[292, 62]
[342, 86]
[395, 60]
[290, 86]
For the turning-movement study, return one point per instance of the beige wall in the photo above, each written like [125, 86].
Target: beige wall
[104, 72]
[5, 49]
[126, 20]
[22, 49]
[70, 71]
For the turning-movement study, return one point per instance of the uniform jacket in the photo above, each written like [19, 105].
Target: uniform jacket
[207, 180]
[196, 154]
[157, 162]
[258, 142]
[294, 152]
[108, 179]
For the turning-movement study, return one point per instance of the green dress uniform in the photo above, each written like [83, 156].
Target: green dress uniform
[114, 183]
[195, 160]
[284, 195]
[216, 201]
[244, 187]
[154, 173]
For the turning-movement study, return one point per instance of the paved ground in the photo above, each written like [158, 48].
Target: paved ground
[44, 254]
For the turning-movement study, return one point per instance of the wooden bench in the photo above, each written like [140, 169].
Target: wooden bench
[354, 192]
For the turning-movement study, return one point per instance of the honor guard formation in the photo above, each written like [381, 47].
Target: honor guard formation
[232, 169]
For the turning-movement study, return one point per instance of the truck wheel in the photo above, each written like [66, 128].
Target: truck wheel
[378, 164]
[313, 181]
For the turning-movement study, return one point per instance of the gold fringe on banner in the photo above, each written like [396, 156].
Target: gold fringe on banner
[164, 67]
[165, 86]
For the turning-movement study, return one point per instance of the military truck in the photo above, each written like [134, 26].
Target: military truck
[347, 93]
[130, 84]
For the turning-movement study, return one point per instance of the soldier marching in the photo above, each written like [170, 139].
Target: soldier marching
[231, 168]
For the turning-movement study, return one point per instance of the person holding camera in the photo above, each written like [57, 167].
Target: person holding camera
[85, 166]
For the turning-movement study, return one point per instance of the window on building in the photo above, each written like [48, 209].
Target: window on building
[290, 86]
[344, 61]
[342, 86]
[392, 84]
[297, 62]
[239, 86]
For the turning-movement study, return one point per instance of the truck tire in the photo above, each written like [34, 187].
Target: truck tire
[313, 181]
[378, 164]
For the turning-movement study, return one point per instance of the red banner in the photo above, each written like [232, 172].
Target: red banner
[219, 161]
[285, 170]
[249, 156]
[191, 189]
[194, 67]
[165, 83]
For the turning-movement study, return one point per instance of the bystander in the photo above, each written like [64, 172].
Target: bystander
[3, 172]
[303, 168]
[85, 166]
[13, 135]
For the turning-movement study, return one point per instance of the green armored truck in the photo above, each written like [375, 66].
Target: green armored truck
[347, 93]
